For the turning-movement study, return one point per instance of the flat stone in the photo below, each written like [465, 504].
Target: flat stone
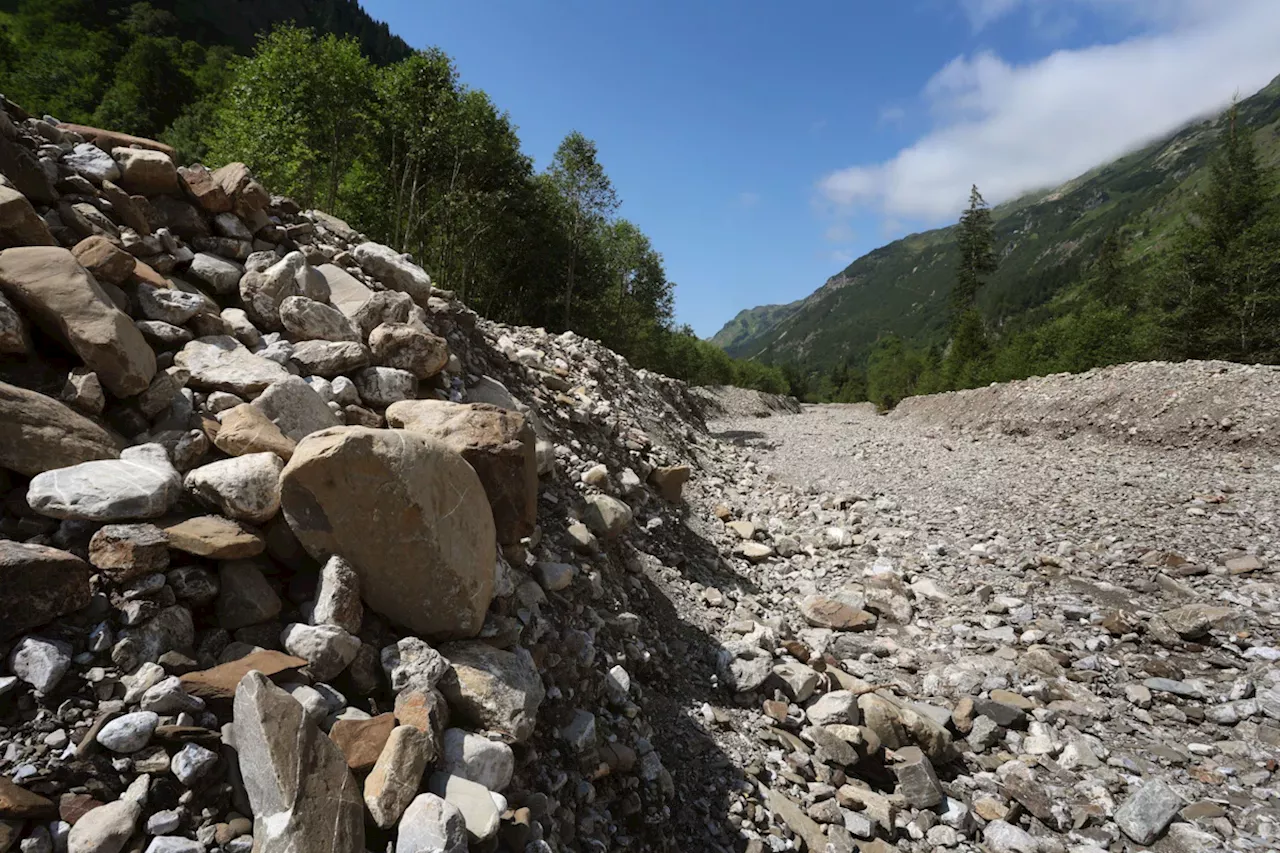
[215, 537]
[245, 429]
[1193, 621]
[140, 484]
[221, 681]
[1147, 812]
[221, 363]
[18, 803]
[125, 551]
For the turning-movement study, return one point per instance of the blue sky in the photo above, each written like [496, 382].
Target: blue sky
[764, 145]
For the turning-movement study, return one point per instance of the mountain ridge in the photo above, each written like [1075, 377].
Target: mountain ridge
[1043, 237]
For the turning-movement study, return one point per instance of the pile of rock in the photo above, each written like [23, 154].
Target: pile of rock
[273, 570]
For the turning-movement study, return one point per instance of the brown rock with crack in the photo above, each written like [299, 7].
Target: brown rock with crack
[220, 682]
[499, 444]
[408, 513]
[65, 300]
[107, 261]
[38, 584]
[38, 434]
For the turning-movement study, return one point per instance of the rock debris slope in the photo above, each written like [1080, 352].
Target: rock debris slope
[299, 554]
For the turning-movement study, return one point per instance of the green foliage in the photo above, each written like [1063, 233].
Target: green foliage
[975, 239]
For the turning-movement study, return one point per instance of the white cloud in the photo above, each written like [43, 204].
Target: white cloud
[1014, 128]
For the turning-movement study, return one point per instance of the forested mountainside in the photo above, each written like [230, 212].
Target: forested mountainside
[335, 111]
[1044, 242]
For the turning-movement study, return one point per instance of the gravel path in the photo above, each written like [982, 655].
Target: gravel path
[1090, 624]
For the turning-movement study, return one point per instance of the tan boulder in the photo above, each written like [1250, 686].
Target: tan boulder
[246, 429]
[200, 187]
[361, 741]
[245, 193]
[499, 444]
[20, 225]
[107, 261]
[146, 172]
[408, 513]
[38, 434]
[215, 537]
[64, 299]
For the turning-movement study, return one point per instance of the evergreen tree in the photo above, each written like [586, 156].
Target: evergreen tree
[976, 241]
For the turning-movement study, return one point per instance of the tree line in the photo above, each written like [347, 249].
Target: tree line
[1211, 291]
[403, 150]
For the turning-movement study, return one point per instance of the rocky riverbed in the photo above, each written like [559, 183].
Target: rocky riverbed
[298, 553]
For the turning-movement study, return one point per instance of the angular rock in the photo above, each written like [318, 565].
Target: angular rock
[246, 488]
[1146, 813]
[295, 407]
[431, 824]
[423, 709]
[429, 564]
[37, 434]
[171, 306]
[670, 481]
[396, 273]
[606, 516]
[221, 363]
[40, 662]
[346, 292]
[18, 803]
[841, 611]
[1193, 621]
[338, 596]
[486, 762]
[309, 320]
[220, 274]
[303, 796]
[382, 386]
[327, 649]
[125, 551]
[200, 187]
[245, 429]
[362, 741]
[329, 359]
[497, 443]
[397, 775]
[496, 689]
[140, 484]
[63, 299]
[263, 291]
[37, 585]
[479, 812]
[411, 664]
[92, 162]
[215, 537]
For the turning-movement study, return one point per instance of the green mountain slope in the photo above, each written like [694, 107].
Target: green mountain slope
[1042, 239]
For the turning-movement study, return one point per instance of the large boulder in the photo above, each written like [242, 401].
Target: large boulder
[303, 796]
[394, 270]
[63, 299]
[405, 346]
[296, 408]
[346, 292]
[498, 444]
[37, 434]
[263, 291]
[142, 483]
[221, 363]
[38, 584]
[410, 516]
